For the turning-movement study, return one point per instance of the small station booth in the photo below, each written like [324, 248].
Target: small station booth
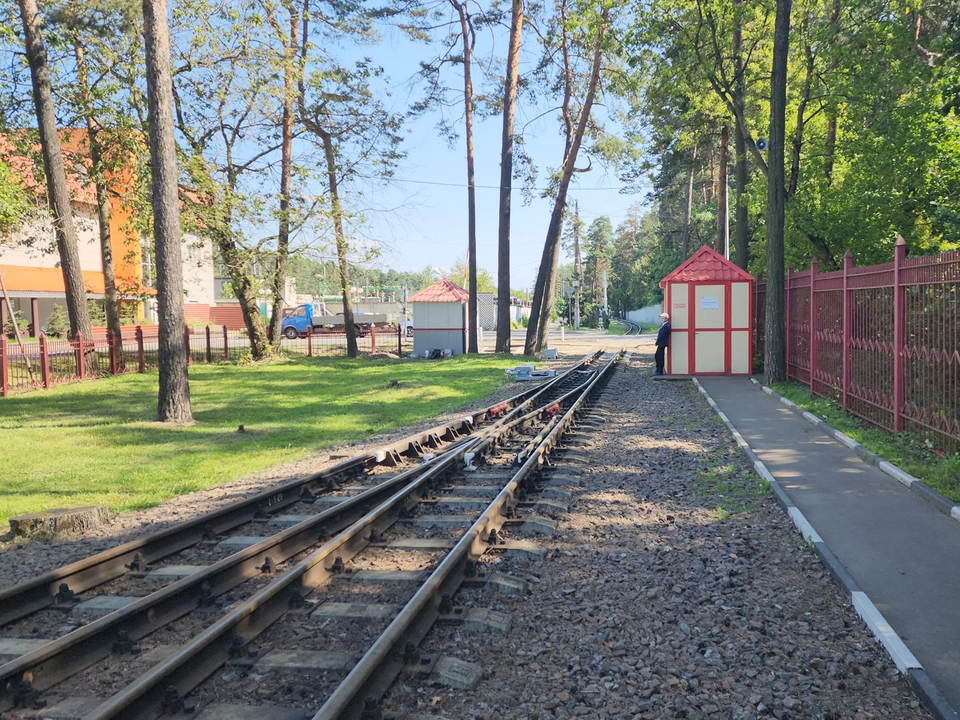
[440, 318]
[709, 300]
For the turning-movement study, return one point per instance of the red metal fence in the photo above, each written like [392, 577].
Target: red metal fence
[879, 340]
[53, 361]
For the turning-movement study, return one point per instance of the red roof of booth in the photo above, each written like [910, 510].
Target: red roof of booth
[441, 291]
[706, 264]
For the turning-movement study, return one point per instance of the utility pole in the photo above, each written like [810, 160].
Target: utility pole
[577, 268]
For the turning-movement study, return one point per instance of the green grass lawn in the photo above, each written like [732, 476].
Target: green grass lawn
[97, 442]
[942, 474]
[617, 328]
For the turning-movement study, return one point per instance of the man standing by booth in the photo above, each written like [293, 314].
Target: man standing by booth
[663, 339]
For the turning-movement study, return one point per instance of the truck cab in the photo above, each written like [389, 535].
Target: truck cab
[296, 321]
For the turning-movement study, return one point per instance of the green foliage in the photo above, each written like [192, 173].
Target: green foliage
[98, 316]
[15, 204]
[22, 324]
[873, 132]
[58, 323]
[485, 282]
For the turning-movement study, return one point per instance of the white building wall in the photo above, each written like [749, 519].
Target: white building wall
[649, 315]
[36, 244]
[198, 284]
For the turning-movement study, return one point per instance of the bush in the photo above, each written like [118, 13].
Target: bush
[58, 323]
[21, 321]
[97, 314]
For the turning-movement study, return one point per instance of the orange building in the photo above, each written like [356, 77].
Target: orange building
[30, 262]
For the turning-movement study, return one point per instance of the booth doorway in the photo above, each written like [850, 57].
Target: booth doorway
[709, 328]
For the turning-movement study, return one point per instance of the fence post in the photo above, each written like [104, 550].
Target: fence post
[814, 269]
[141, 356]
[112, 351]
[310, 340]
[400, 340]
[4, 383]
[186, 338]
[786, 320]
[847, 313]
[226, 350]
[209, 355]
[899, 333]
[81, 365]
[373, 338]
[44, 361]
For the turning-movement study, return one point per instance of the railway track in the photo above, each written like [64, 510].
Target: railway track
[632, 328]
[345, 520]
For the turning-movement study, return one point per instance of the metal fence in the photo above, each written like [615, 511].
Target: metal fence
[881, 341]
[49, 361]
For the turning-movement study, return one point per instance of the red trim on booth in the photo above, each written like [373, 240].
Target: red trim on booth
[691, 328]
[727, 331]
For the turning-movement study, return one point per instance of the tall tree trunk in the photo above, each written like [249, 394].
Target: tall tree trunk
[741, 212]
[286, 172]
[774, 367]
[506, 177]
[542, 296]
[688, 208]
[241, 281]
[801, 120]
[741, 177]
[58, 196]
[98, 173]
[722, 190]
[174, 396]
[830, 145]
[472, 308]
[337, 212]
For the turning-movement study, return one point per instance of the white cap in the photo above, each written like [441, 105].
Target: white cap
[665, 315]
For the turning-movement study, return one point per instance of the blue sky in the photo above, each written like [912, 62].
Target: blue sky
[427, 224]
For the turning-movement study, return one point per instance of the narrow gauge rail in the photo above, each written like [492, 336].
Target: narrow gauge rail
[64, 583]
[513, 453]
[24, 678]
[632, 328]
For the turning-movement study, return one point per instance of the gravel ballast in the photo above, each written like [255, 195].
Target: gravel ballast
[674, 587]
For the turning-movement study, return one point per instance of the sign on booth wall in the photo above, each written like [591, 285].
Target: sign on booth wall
[709, 302]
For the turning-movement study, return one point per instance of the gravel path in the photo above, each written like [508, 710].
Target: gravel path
[28, 558]
[674, 588]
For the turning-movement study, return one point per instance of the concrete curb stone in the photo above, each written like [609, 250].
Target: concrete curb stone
[898, 651]
[944, 505]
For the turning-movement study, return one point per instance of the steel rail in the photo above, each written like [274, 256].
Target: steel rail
[150, 695]
[204, 654]
[32, 595]
[376, 671]
[61, 658]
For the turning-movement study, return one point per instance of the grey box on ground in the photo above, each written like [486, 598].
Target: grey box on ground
[458, 674]
[60, 521]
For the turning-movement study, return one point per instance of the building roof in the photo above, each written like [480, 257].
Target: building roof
[704, 265]
[441, 291]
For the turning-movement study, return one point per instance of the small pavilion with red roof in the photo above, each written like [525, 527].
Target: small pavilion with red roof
[709, 300]
[440, 318]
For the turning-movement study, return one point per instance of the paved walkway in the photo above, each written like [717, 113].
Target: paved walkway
[900, 550]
